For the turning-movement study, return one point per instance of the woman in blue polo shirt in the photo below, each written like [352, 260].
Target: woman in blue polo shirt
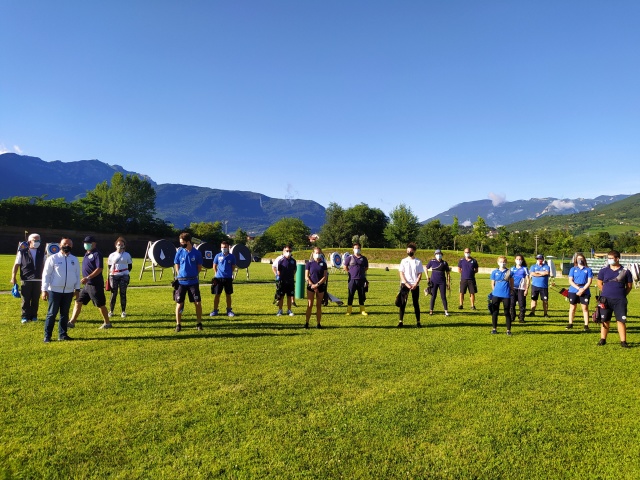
[315, 275]
[501, 285]
[520, 275]
[580, 278]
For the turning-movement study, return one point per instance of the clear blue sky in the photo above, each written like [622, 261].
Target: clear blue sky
[427, 103]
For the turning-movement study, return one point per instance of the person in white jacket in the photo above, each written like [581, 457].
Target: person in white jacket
[60, 285]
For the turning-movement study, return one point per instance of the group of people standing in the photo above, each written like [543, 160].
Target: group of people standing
[61, 280]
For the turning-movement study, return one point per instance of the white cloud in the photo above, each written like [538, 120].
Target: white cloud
[3, 149]
[562, 205]
[497, 198]
[466, 223]
[17, 149]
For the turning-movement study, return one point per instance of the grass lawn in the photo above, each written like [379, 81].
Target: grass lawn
[258, 396]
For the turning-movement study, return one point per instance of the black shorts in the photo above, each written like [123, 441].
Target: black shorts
[321, 288]
[574, 299]
[544, 292]
[222, 284]
[286, 287]
[614, 305]
[192, 290]
[468, 284]
[93, 293]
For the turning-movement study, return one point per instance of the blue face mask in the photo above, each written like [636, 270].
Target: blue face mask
[87, 246]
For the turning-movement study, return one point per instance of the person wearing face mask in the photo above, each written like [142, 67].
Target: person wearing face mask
[60, 284]
[285, 279]
[539, 285]
[468, 267]
[356, 266]
[224, 263]
[615, 283]
[120, 264]
[411, 271]
[30, 262]
[440, 276]
[501, 287]
[520, 275]
[315, 275]
[187, 265]
[580, 278]
[93, 281]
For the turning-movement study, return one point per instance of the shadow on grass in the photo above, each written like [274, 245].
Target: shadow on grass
[185, 336]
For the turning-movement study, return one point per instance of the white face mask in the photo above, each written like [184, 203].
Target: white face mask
[286, 254]
[224, 250]
[467, 254]
[518, 262]
[120, 247]
[356, 251]
[611, 261]
[438, 257]
[501, 264]
[36, 244]
[87, 246]
[316, 256]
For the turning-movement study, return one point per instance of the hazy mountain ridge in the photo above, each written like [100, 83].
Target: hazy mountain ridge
[506, 213]
[176, 203]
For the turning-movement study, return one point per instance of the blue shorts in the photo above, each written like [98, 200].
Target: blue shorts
[614, 305]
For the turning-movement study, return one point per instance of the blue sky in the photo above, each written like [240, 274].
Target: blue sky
[427, 103]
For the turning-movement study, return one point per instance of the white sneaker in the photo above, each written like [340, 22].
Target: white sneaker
[110, 314]
[104, 326]
[123, 314]
[290, 313]
[230, 314]
[279, 314]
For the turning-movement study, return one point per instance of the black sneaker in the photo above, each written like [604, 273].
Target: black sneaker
[400, 324]
[178, 327]
[418, 325]
[494, 332]
[569, 326]
[64, 338]
[47, 339]
[319, 327]
[306, 325]
[586, 328]
[521, 320]
[531, 314]
[546, 315]
[508, 333]
[199, 326]
[460, 307]
[624, 345]
[473, 308]
[602, 342]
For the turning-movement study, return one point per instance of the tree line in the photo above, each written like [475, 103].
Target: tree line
[126, 204]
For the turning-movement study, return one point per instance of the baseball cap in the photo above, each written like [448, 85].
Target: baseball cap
[89, 239]
[539, 256]
[437, 251]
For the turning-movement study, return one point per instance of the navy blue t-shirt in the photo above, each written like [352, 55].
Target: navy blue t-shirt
[357, 266]
[610, 287]
[316, 270]
[287, 269]
[467, 268]
[438, 270]
[91, 261]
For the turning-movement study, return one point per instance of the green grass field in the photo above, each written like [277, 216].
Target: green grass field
[259, 397]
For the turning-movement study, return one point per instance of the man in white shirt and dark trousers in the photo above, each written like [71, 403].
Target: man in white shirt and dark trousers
[60, 285]
[411, 271]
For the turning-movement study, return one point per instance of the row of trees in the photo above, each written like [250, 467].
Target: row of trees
[126, 204]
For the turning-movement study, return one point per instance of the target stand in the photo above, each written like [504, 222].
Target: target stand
[160, 255]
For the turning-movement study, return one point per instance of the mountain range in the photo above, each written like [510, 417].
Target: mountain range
[497, 213]
[27, 176]
[22, 175]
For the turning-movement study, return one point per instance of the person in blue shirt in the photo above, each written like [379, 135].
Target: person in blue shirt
[286, 279]
[441, 278]
[501, 286]
[316, 278]
[187, 266]
[615, 283]
[224, 264]
[520, 275]
[580, 278]
[468, 267]
[539, 285]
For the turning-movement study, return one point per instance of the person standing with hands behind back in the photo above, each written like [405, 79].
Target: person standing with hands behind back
[539, 273]
[580, 278]
[501, 287]
[356, 266]
[615, 283]
[468, 267]
[411, 271]
[316, 277]
[224, 263]
[30, 261]
[187, 266]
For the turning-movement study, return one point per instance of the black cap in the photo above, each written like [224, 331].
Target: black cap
[89, 239]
